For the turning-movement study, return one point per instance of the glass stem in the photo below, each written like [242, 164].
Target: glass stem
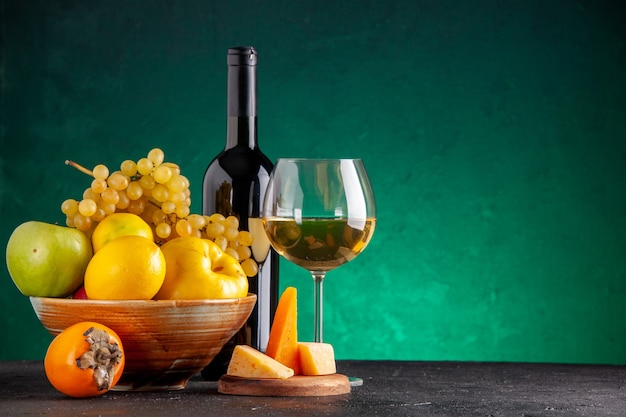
[318, 302]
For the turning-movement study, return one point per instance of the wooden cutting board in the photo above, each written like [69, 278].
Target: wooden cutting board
[296, 386]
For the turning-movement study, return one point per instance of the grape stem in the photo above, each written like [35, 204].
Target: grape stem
[90, 173]
[79, 167]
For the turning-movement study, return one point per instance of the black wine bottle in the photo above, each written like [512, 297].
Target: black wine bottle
[234, 184]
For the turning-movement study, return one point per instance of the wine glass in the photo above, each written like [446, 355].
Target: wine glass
[319, 214]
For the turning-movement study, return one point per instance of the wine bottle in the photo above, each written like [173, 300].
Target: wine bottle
[234, 184]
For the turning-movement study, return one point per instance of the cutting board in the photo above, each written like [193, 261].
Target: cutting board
[296, 386]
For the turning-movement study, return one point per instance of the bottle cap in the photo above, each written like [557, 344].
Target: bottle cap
[242, 55]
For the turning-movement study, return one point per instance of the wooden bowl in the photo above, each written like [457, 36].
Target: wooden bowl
[166, 342]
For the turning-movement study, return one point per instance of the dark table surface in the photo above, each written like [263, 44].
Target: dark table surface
[390, 389]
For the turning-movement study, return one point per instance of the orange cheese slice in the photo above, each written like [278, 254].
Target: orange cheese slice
[317, 358]
[283, 341]
[248, 362]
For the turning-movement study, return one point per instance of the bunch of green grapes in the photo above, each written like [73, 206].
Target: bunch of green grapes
[157, 192]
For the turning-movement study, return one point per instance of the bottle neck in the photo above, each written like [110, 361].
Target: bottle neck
[241, 131]
[241, 90]
[241, 125]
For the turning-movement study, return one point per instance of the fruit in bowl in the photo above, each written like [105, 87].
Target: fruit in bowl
[37, 251]
[166, 342]
[173, 285]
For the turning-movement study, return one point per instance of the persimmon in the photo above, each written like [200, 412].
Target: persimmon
[85, 360]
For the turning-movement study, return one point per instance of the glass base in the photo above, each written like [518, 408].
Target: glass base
[355, 381]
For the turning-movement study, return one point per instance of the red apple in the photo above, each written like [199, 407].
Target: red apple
[80, 293]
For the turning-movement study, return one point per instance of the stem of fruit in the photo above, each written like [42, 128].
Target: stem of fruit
[79, 167]
[90, 173]
[102, 357]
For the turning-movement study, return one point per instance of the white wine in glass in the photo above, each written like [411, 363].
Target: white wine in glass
[319, 214]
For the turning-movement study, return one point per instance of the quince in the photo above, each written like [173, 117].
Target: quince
[197, 268]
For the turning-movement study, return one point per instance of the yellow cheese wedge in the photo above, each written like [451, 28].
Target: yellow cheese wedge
[248, 362]
[316, 358]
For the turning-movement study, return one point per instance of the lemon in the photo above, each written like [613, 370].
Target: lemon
[117, 225]
[126, 268]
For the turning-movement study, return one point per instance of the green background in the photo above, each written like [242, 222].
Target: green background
[494, 133]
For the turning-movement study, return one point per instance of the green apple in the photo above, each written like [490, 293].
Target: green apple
[47, 260]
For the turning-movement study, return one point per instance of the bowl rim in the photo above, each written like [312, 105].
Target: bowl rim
[143, 303]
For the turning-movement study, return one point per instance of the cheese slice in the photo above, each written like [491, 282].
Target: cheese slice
[283, 341]
[316, 358]
[248, 362]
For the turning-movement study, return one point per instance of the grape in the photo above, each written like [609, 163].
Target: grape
[123, 201]
[214, 230]
[177, 183]
[197, 221]
[156, 191]
[182, 210]
[244, 252]
[168, 207]
[156, 156]
[69, 207]
[163, 230]
[231, 233]
[232, 252]
[160, 193]
[177, 197]
[110, 196]
[128, 168]
[147, 182]
[100, 172]
[87, 207]
[158, 217]
[98, 215]
[98, 185]
[174, 168]
[221, 241]
[183, 228]
[217, 218]
[231, 221]
[162, 174]
[136, 206]
[245, 238]
[117, 181]
[134, 190]
[144, 166]
[82, 222]
[250, 267]
[186, 181]
[108, 208]
[90, 195]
